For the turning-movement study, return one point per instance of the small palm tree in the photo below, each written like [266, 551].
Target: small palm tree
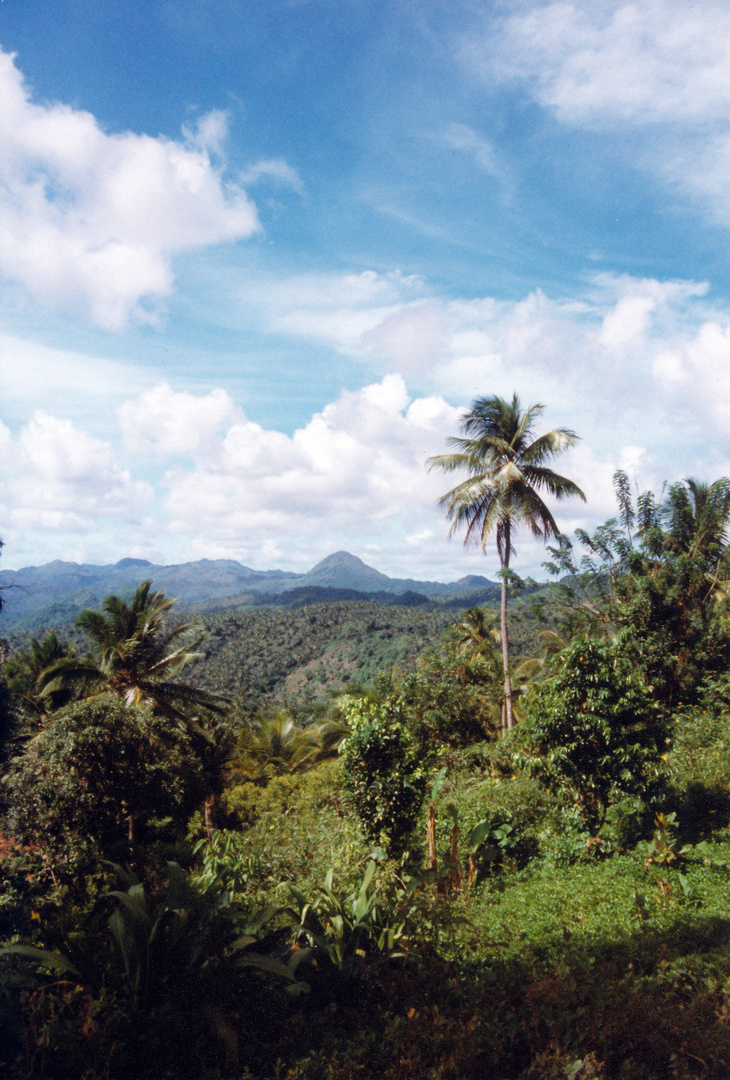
[506, 470]
[476, 633]
[25, 674]
[136, 655]
[276, 744]
[698, 518]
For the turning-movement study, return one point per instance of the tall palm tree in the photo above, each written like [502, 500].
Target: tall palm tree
[135, 654]
[506, 470]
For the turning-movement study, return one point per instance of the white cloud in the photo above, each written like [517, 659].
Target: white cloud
[336, 308]
[274, 169]
[92, 221]
[167, 423]
[412, 339]
[56, 477]
[588, 354]
[654, 67]
[357, 464]
[639, 62]
[696, 374]
[636, 366]
[33, 375]
[460, 137]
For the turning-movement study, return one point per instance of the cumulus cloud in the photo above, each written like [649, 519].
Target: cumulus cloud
[592, 354]
[636, 366]
[412, 339]
[649, 66]
[57, 477]
[168, 423]
[696, 373]
[592, 357]
[354, 476]
[640, 62]
[91, 220]
[355, 465]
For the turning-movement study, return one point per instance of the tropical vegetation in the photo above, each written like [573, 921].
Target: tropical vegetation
[395, 885]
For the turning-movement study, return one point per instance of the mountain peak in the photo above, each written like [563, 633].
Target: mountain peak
[343, 570]
[474, 581]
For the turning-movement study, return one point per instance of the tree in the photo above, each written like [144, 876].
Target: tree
[275, 745]
[506, 470]
[95, 767]
[136, 656]
[384, 770]
[594, 729]
[661, 569]
[26, 674]
[476, 635]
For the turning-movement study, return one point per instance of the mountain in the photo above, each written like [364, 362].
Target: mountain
[345, 571]
[40, 596]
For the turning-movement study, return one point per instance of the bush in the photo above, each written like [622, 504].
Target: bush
[593, 731]
[384, 777]
[93, 765]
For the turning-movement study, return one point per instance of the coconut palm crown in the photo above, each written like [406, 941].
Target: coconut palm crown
[506, 469]
[137, 655]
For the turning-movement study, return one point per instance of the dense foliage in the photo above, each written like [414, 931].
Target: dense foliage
[432, 900]
[95, 765]
[594, 728]
[298, 655]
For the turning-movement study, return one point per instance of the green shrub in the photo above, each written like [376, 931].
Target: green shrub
[700, 752]
[93, 765]
[298, 794]
[384, 773]
[593, 730]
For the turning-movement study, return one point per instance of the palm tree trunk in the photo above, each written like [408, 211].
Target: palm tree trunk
[209, 812]
[505, 638]
[431, 837]
[455, 867]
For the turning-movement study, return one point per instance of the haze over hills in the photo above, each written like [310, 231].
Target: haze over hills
[57, 591]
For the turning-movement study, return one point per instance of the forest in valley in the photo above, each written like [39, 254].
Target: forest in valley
[387, 843]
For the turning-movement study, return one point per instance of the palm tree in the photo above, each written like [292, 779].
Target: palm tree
[476, 634]
[136, 655]
[505, 470]
[25, 674]
[276, 745]
[698, 518]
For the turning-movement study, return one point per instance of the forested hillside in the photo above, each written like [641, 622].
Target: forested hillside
[296, 655]
[303, 653]
[309, 652]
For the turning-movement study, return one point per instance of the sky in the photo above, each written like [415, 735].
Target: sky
[258, 257]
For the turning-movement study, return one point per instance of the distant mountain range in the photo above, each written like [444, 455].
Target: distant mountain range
[39, 596]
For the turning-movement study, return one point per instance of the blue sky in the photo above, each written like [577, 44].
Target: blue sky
[257, 257]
